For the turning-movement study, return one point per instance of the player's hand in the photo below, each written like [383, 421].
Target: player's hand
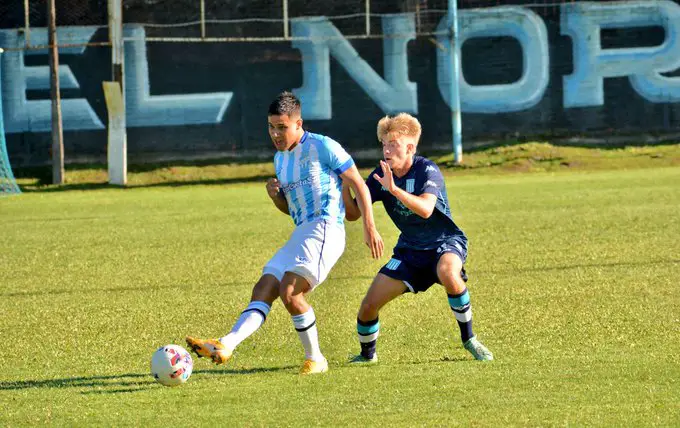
[273, 187]
[387, 180]
[374, 241]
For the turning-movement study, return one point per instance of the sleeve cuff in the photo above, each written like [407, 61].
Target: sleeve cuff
[344, 167]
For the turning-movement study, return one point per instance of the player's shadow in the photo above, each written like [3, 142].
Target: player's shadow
[236, 371]
[444, 359]
[112, 384]
[47, 188]
[123, 383]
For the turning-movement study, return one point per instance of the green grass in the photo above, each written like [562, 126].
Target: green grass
[573, 275]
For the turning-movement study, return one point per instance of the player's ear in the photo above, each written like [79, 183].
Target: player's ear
[299, 123]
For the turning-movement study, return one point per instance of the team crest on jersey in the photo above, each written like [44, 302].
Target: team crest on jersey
[304, 160]
[402, 210]
[410, 185]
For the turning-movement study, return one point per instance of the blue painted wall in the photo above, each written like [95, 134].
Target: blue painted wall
[585, 68]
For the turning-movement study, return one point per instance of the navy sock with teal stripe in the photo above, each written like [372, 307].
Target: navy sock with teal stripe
[460, 305]
[368, 336]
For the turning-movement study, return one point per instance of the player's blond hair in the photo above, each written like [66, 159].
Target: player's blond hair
[402, 124]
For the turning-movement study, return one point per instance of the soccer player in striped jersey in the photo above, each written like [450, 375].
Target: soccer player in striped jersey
[431, 247]
[310, 171]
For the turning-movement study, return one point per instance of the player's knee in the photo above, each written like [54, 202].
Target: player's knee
[452, 282]
[266, 289]
[296, 305]
[450, 272]
[286, 294]
[368, 310]
[289, 298]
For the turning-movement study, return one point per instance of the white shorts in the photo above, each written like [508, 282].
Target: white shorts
[311, 251]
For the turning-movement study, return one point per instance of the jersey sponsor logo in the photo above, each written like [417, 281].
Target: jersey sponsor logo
[431, 183]
[410, 185]
[292, 186]
[430, 168]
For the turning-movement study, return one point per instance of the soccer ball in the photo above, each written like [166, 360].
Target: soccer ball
[171, 365]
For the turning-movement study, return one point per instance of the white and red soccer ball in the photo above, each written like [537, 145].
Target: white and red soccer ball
[171, 365]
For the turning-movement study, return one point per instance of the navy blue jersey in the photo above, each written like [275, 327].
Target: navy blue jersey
[418, 233]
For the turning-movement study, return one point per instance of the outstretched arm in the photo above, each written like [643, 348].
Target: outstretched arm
[276, 195]
[371, 236]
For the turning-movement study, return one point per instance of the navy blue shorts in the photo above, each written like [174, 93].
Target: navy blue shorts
[418, 268]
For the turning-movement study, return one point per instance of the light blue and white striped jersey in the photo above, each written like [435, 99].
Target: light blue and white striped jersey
[309, 177]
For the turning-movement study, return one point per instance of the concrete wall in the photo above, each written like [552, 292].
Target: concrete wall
[585, 68]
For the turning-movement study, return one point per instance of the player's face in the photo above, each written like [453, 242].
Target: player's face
[284, 130]
[398, 150]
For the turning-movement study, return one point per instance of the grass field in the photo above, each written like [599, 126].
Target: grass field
[573, 276]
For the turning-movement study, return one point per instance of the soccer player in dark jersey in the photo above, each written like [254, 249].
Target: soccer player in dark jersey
[431, 247]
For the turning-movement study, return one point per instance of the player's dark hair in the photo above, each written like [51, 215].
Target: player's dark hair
[285, 103]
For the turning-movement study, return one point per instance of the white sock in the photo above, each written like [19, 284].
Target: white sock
[250, 320]
[305, 324]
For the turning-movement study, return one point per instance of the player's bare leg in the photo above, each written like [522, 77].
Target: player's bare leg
[265, 291]
[292, 291]
[383, 290]
[449, 270]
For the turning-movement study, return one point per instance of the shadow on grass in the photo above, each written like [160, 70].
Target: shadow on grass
[463, 357]
[43, 174]
[141, 386]
[387, 363]
[232, 372]
[123, 383]
[44, 187]
[143, 382]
